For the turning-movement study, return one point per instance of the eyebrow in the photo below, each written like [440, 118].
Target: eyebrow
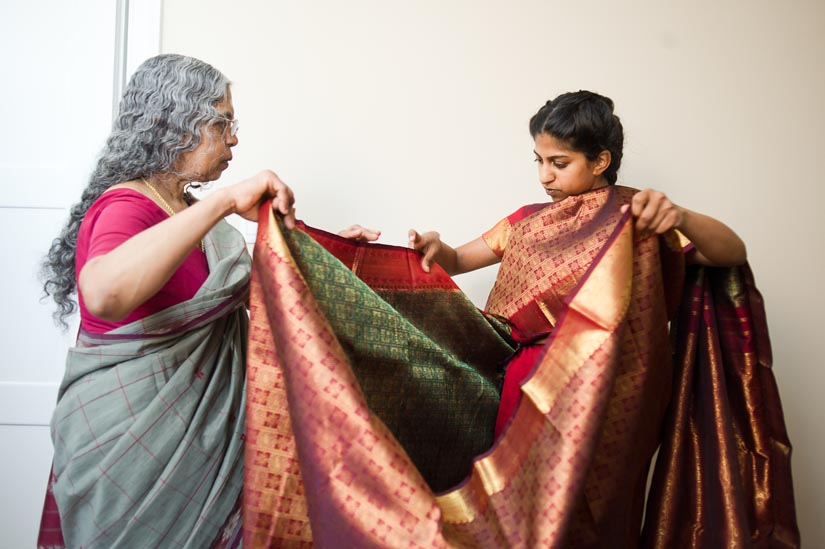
[551, 158]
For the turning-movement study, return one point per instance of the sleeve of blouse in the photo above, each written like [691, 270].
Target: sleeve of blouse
[117, 222]
[498, 236]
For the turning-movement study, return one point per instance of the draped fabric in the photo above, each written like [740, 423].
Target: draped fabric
[398, 378]
[723, 476]
[148, 428]
[326, 465]
[550, 249]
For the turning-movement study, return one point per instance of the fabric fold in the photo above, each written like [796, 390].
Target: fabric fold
[150, 417]
[723, 476]
[352, 346]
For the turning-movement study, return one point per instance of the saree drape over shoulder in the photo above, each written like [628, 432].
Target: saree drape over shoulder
[373, 395]
[148, 429]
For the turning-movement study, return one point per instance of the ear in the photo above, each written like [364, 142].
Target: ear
[602, 162]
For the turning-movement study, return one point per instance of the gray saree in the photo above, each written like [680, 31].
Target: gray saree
[148, 428]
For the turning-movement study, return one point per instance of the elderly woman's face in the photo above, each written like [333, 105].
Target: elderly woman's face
[211, 157]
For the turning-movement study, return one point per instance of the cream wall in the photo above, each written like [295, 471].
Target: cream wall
[414, 114]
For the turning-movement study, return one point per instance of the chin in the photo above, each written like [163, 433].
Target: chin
[212, 176]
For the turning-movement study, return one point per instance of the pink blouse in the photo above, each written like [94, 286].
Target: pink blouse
[115, 217]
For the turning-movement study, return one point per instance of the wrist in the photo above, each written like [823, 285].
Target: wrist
[221, 202]
[684, 213]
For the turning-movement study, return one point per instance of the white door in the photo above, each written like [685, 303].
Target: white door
[61, 65]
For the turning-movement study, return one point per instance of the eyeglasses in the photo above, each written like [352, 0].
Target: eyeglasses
[231, 123]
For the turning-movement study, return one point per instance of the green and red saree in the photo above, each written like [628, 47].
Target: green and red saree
[373, 395]
[148, 428]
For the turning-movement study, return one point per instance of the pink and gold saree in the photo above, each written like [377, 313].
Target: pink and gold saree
[373, 394]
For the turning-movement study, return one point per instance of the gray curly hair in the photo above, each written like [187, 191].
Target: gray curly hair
[166, 103]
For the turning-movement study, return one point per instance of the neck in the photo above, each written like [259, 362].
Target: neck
[600, 182]
[169, 195]
[170, 186]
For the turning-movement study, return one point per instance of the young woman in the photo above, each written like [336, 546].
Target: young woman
[578, 149]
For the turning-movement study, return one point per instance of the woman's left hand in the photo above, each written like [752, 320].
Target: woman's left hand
[714, 243]
[654, 212]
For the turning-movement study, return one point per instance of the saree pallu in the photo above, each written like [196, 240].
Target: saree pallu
[324, 467]
[148, 428]
[551, 256]
[723, 476]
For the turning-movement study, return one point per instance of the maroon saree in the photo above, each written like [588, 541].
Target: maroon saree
[723, 475]
[324, 466]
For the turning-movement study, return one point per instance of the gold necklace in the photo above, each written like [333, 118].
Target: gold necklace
[165, 205]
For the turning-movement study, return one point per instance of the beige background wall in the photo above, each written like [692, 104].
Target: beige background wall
[414, 114]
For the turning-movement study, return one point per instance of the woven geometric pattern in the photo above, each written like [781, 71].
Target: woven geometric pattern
[547, 253]
[360, 484]
[347, 345]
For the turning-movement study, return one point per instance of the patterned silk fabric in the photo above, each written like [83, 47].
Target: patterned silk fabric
[723, 476]
[327, 465]
[399, 377]
[549, 250]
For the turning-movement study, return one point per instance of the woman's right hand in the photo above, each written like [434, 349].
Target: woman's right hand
[467, 257]
[246, 196]
[428, 244]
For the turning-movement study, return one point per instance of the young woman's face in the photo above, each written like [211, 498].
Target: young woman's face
[564, 172]
[211, 157]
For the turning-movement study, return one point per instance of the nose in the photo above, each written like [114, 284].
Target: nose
[546, 173]
[231, 140]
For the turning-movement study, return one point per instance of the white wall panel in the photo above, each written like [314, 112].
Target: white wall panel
[58, 102]
[34, 348]
[25, 462]
[58, 105]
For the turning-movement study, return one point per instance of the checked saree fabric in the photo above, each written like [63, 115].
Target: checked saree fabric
[373, 390]
[148, 428]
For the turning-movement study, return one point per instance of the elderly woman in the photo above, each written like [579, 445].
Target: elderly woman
[149, 423]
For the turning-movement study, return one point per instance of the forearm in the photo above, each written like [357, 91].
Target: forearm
[448, 259]
[716, 244]
[116, 283]
[467, 257]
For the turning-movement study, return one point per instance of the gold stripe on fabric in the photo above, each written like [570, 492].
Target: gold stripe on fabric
[595, 313]
[359, 257]
[546, 311]
[683, 240]
[676, 241]
[456, 506]
[601, 304]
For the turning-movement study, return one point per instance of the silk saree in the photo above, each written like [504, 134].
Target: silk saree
[148, 428]
[352, 347]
